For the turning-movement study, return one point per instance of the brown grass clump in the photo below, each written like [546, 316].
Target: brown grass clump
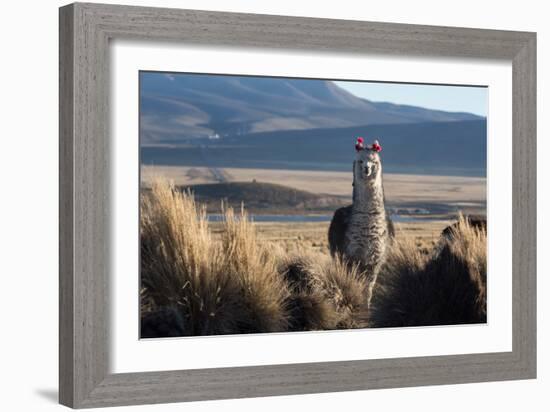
[182, 268]
[263, 290]
[223, 287]
[346, 287]
[307, 304]
[325, 293]
[448, 287]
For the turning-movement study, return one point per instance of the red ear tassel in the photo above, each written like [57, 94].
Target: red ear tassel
[359, 144]
[376, 147]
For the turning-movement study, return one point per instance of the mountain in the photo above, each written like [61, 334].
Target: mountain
[440, 148]
[176, 108]
[414, 114]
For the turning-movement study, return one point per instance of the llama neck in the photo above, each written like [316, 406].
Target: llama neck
[367, 236]
[369, 198]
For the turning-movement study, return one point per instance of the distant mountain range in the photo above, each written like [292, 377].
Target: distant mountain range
[177, 108]
[254, 122]
[440, 148]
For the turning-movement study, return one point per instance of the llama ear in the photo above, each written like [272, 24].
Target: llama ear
[376, 147]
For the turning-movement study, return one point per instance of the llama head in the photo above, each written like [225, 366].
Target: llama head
[367, 166]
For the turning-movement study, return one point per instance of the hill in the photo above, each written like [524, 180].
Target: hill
[444, 148]
[258, 197]
[177, 108]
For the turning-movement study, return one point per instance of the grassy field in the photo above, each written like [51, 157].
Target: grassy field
[443, 196]
[299, 236]
[201, 278]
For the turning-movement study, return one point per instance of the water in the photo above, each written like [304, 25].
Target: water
[310, 218]
[279, 218]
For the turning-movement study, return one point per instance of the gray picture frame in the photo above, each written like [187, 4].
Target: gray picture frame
[85, 32]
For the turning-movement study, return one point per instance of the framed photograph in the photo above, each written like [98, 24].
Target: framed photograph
[256, 205]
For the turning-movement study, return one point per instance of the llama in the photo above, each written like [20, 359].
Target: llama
[361, 232]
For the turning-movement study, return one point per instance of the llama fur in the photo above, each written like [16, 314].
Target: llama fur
[361, 232]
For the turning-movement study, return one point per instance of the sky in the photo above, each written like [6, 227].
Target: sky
[448, 98]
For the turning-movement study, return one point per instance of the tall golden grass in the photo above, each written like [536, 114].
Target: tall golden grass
[196, 284]
[446, 287]
[182, 268]
[254, 266]
[325, 293]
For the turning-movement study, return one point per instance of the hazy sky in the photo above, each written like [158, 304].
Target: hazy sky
[448, 98]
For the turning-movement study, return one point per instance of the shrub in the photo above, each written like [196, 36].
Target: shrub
[223, 287]
[309, 309]
[325, 293]
[181, 267]
[448, 287]
[254, 267]
[346, 287]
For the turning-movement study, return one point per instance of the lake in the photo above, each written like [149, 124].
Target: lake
[311, 218]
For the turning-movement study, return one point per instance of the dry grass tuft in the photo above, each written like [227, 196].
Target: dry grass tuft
[346, 287]
[448, 287]
[182, 268]
[308, 307]
[325, 293]
[252, 264]
[218, 288]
